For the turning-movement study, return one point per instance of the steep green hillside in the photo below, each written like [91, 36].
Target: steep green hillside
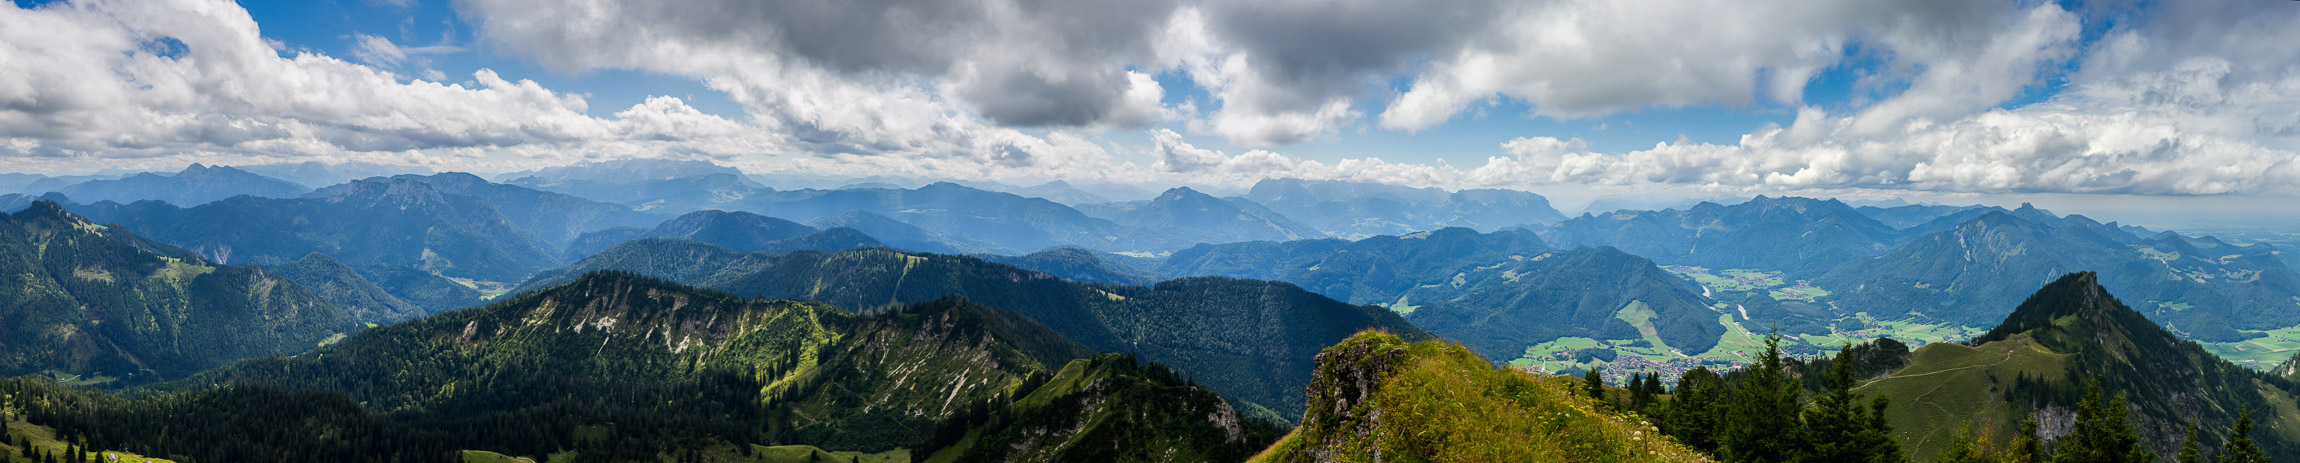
[94, 304]
[1599, 293]
[1077, 264]
[618, 367]
[1379, 398]
[1248, 340]
[2068, 335]
[335, 282]
[1109, 408]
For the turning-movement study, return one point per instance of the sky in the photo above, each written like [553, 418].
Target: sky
[2188, 104]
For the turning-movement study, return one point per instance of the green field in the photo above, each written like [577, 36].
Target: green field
[808, 453]
[1946, 384]
[44, 440]
[2271, 348]
[1730, 280]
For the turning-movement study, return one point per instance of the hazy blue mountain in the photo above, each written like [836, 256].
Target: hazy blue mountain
[316, 174]
[195, 185]
[1361, 209]
[623, 171]
[1911, 215]
[13, 202]
[1248, 340]
[1183, 214]
[1968, 274]
[399, 221]
[1013, 223]
[1804, 237]
[1497, 292]
[554, 217]
[673, 196]
[14, 183]
[1078, 264]
[902, 235]
[1061, 192]
[99, 303]
[740, 231]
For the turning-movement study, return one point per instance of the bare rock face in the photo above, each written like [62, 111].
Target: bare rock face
[1343, 416]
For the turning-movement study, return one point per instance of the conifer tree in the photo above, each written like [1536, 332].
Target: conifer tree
[1595, 383]
[2026, 447]
[1763, 424]
[2240, 447]
[2188, 448]
[1838, 428]
[1692, 415]
[2102, 433]
[1639, 396]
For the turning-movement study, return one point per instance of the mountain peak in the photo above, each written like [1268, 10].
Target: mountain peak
[2097, 313]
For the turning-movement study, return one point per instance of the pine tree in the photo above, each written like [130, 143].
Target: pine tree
[1764, 422]
[2188, 448]
[1692, 415]
[1639, 396]
[2240, 447]
[1595, 383]
[2102, 433]
[1967, 448]
[2026, 447]
[1838, 428]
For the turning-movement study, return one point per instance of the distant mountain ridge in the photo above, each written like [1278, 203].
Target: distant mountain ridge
[195, 185]
[1358, 209]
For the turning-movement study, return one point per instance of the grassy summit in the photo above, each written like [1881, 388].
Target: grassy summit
[1377, 397]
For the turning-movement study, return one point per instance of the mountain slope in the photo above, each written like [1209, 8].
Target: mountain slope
[555, 218]
[740, 231]
[1967, 274]
[1496, 292]
[1189, 216]
[2067, 335]
[1379, 398]
[656, 367]
[335, 282]
[195, 185]
[98, 302]
[1599, 293]
[1012, 223]
[1248, 340]
[399, 221]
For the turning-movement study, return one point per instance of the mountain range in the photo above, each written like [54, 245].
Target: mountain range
[1360, 209]
[197, 184]
[96, 304]
[1249, 340]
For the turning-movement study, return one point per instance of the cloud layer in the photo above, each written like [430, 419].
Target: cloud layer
[2161, 98]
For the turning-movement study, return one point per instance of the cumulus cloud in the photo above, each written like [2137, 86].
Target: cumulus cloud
[195, 78]
[2174, 98]
[379, 51]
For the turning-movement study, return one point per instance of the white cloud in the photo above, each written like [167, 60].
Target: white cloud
[167, 80]
[379, 51]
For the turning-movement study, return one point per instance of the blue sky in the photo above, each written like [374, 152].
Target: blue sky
[1859, 98]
